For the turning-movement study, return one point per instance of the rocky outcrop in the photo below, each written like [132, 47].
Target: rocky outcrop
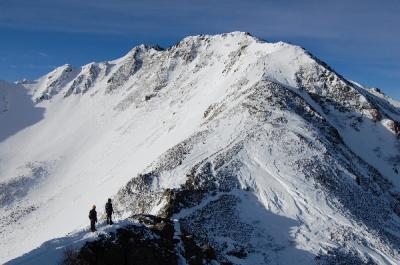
[151, 242]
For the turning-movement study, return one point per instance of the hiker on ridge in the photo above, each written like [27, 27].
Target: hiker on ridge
[93, 218]
[109, 212]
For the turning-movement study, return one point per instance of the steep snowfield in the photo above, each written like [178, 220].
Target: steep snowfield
[273, 153]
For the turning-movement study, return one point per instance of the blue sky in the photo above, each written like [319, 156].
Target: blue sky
[359, 38]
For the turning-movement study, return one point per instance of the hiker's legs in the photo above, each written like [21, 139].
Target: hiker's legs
[92, 225]
[109, 219]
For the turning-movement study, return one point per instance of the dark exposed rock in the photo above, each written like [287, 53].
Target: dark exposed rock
[376, 115]
[148, 97]
[151, 243]
[162, 226]
[195, 254]
[394, 127]
[240, 253]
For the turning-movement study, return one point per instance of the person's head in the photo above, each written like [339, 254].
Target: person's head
[109, 199]
[94, 206]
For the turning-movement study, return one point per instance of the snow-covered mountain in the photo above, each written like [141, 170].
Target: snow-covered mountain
[258, 149]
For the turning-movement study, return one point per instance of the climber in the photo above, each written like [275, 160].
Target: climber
[109, 212]
[93, 218]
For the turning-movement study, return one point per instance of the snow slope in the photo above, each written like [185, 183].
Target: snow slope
[302, 164]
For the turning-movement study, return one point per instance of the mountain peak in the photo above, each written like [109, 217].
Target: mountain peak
[142, 48]
[257, 149]
[235, 42]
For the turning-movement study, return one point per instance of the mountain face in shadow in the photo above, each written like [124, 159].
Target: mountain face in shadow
[17, 110]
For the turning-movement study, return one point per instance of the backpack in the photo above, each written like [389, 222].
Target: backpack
[92, 214]
[109, 208]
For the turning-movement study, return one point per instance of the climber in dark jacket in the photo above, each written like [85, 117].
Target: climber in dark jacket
[109, 212]
[93, 218]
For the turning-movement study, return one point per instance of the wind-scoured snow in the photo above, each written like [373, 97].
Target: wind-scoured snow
[276, 155]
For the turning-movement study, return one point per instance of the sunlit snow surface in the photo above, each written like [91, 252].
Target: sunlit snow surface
[297, 135]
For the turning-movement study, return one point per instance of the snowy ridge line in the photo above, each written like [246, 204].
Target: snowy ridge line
[274, 164]
[307, 163]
